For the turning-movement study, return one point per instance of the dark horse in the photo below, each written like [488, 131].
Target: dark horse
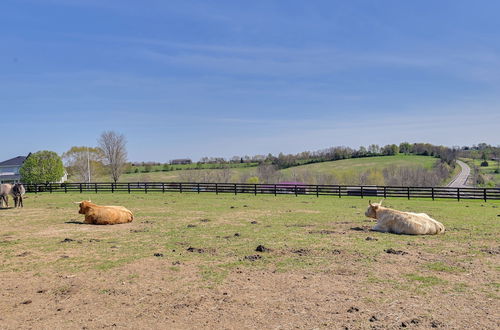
[18, 191]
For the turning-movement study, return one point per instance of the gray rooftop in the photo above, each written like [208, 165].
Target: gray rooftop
[16, 161]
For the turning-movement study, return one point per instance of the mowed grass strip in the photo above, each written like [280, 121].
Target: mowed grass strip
[220, 233]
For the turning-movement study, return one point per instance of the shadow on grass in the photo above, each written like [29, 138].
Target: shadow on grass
[7, 208]
[76, 222]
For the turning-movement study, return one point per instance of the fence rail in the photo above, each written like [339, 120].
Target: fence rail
[275, 189]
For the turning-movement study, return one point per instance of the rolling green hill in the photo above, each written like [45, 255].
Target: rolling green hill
[362, 164]
[347, 171]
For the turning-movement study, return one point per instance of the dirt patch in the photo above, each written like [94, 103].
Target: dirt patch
[142, 230]
[323, 232]
[392, 251]
[197, 250]
[491, 251]
[253, 257]
[301, 252]
[299, 225]
[262, 248]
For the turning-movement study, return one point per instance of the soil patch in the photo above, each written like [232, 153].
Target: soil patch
[392, 251]
[192, 249]
[301, 252]
[262, 248]
[253, 257]
[323, 232]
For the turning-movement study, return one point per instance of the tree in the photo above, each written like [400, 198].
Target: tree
[42, 166]
[114, 151]
[83, 162]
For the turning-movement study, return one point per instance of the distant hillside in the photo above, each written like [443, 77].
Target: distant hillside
[362, 164]
[382, 170]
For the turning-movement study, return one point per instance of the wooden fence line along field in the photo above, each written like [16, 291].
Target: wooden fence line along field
[275, 189]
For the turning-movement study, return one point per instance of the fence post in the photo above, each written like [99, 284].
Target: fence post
[432, 192]
[408, 192]
[180, 187]
[128, 187]
[216, 189]
[65, 188]
[340, 194]
[112, 187]
[50, 187]
[255, 189]
[80, 188]
[95, 187]
[275, 190]
[361, 191]
[458, 194]
[36, 188]
[145, 187]
[295, 190]
[235, 188]
[485, 196]
[198, 188]
[317, 190]
[385, 192]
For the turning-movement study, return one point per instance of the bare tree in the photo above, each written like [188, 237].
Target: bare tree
[115, 152]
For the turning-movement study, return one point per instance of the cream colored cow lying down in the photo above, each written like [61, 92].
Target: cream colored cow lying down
[393, 221]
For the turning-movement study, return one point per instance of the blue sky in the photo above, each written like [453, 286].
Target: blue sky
[223, 78]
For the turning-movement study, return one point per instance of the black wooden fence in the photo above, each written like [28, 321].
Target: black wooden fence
[275, 189]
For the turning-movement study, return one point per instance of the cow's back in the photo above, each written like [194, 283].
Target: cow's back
[110, 215]
[408, 223]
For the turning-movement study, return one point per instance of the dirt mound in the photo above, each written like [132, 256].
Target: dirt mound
[392, 251]
[253, 257]
[192, 249]
[301, 252]
[262, 248]
[322, 232]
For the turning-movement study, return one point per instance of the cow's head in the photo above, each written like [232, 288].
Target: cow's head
[84, 206]
[371, 211]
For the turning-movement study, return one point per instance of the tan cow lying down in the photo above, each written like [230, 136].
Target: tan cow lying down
[398, 222]
[104, 215]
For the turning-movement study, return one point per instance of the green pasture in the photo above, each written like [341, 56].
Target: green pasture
[219, 233]
[359, 165]
[346, 169]
[492, 178]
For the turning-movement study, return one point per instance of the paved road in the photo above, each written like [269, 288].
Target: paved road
[460, 181]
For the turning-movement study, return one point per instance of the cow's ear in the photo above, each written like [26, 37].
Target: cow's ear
[381, 202]
[370, 203]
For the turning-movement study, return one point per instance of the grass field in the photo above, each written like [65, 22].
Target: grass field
[492, 178]
[190, 261]
[341, 168]
[363, 164]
